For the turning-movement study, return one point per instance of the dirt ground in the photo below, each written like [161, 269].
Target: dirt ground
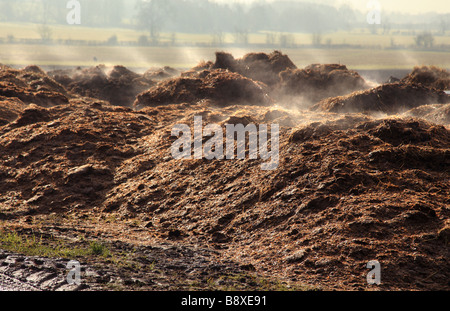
[364, 174]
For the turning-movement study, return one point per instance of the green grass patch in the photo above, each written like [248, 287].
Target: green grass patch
[99, 249]
[36, 246]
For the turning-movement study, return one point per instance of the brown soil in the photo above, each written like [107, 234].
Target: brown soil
[439, 114]
[30, 86]
[316, 82]
[257, 66]
[220, 86]
[158, 74]
[431, 76]
[388, 98]
[120, 86]
[349, 188]
[10, 109]
[285, 80]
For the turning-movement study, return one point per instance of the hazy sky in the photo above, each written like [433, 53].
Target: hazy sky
[406, 6]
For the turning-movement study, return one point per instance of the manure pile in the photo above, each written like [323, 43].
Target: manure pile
[363, 174]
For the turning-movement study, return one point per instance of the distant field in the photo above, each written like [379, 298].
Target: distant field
[354, 37]
[187, 57]
[375, 55]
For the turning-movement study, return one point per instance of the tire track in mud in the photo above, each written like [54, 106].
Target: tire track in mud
[165, 266]
[29, 273]
[10, 284]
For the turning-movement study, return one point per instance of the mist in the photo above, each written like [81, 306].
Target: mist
[364, 35]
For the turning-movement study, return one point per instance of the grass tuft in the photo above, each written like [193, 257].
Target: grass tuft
[35, 246]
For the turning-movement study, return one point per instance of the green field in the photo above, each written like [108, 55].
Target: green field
[376, 53]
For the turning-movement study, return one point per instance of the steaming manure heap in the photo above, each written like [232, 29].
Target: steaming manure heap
[363, 174]
[390, 99]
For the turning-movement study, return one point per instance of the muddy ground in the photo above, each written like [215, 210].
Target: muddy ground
[363, 174]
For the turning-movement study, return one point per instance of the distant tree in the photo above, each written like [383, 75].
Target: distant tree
[143, 40]
[112, 40]
[240, 36]
[217, 38]
[10, 38]
[270, 38]
[152, 15]
[45, 32]
[424, 39]
[173, 38]
[316, 39]
[443, 27]
[286, 40]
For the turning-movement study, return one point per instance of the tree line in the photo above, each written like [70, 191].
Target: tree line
[206, 16]
[210, 17]
[194, 16]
